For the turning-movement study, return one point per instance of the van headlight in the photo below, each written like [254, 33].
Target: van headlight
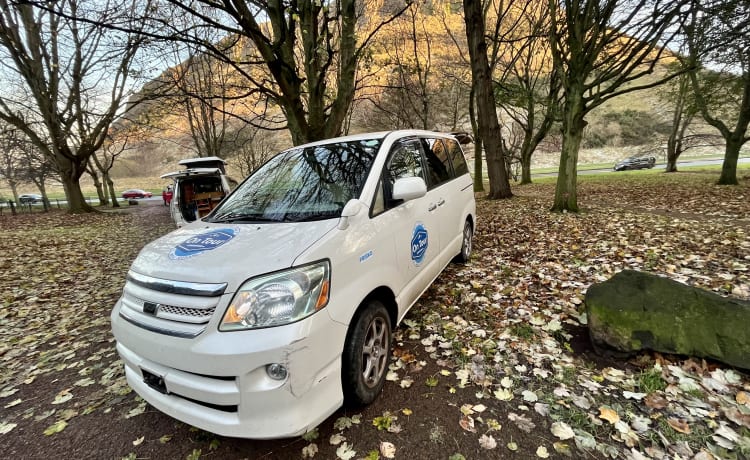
[279, 298]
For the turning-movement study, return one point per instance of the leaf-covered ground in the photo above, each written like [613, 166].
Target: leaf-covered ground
[493, 361]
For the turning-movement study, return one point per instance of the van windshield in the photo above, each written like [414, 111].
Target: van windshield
[302, 184]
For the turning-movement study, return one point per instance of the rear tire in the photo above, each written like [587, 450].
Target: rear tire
[466, 243]
[367, 352]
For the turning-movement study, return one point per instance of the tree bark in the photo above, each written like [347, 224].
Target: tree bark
[111, 186]
[731, 155]
[70, 174]
[566, 194]
[478, 145]
[489, 126]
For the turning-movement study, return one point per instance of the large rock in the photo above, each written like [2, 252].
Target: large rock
[635, 310]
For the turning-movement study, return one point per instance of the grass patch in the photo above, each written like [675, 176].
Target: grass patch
[651, 380]
[522, 331]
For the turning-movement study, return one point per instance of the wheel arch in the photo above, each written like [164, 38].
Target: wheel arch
[387, 298]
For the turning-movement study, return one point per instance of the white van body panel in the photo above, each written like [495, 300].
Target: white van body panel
[250, 250]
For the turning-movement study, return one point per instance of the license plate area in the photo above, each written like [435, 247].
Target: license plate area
[154, 381]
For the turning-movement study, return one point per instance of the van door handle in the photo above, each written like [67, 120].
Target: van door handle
[432, 207]
[441, 202]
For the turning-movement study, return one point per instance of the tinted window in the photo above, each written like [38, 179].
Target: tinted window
[438, 163]
[405, 160]
[302, 184]
[457, 157]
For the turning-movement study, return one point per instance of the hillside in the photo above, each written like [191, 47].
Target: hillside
[402, 84]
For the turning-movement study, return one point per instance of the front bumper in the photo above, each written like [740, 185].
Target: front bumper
[218, 380]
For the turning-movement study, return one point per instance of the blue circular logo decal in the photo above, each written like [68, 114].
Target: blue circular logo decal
[203, 242]
[419, 242]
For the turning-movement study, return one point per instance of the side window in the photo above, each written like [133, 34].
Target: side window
[439, 168]
[457, 157]
[404, 161]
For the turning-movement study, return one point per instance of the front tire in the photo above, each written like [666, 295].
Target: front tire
[366, 354]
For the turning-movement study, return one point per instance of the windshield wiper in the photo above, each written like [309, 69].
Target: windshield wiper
[239, 217]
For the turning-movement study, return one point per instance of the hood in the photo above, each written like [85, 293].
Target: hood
[227, 253]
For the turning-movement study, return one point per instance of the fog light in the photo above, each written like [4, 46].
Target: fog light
[276, 371]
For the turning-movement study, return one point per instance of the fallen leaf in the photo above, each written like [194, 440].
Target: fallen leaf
[737, 417]
[743, 398]
[656, 401]
[529, 396]
[55, 428]
[63, 397]
[541, 409]
[342, 423]
[139, 441]
[542, 452]
[503, 395]
[512, 446]
[309, 450]
[14, 403]
[6, 427]
[606, 413]
[345, 452]
[562, 431]
[631, 395]
[387, 449]
[487, 442]
[679, 425]
[563, 448]
[467, 423]
[8, 392]
[336, 439]
[522, 422]
[406, 382]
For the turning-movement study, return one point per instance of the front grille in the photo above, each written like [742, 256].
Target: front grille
[184, 311]
[173, 314]
[176, 313]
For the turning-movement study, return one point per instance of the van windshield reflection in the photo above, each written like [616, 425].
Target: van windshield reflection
[302, 184]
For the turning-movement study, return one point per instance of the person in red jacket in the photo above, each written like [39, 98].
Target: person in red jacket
[166, 195]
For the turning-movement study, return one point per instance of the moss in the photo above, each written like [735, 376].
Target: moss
[636, 310]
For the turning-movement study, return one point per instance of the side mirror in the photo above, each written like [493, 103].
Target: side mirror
[351, 209]
[409, 188]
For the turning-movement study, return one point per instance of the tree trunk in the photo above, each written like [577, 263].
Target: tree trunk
[527, 149]
[70, 173]
[489, 126]
[111, 186]
[478, 145]
[673, 152]
[731, 155]
[98, 185]
[566, 195]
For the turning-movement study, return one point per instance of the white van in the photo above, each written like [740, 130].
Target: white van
[262, 318]
[198, 188]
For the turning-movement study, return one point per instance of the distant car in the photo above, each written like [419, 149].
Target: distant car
[136, 193]
[29, 198]
[635, 163]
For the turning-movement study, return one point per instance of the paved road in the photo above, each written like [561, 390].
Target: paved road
[712, 161]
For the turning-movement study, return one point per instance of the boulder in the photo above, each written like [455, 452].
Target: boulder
[633, 311]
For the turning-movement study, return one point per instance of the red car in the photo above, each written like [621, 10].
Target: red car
[136, 193]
